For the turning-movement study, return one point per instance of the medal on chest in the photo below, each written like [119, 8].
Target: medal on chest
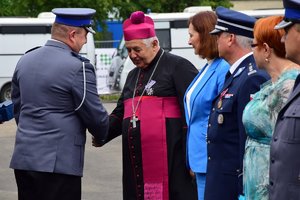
[220, 102]
[219, 106]
[220, 119]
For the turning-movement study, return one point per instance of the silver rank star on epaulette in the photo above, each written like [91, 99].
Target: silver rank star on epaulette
[251, 70]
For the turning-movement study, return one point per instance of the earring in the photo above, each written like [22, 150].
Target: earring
[267, 60]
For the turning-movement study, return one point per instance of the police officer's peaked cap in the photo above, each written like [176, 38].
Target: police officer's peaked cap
[78, 17]
[291, 15]
[233, 22]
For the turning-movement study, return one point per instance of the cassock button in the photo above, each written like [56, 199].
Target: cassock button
[272, 160]
[209, 125]
[275, 139]
[208, 141]
[132, 147]
[271, 183]
[209, 158]
[213, 109]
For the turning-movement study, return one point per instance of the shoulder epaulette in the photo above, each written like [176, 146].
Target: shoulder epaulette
[251, 69]
[240, 70]
[32, 49]
[83, 59]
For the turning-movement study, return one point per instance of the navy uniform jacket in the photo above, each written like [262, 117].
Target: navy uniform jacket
[285, 151]
[226, 134]
[47, 88]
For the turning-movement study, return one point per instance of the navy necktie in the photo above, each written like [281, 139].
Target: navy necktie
[228, 74]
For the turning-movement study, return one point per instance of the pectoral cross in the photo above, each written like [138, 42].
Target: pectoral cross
[134, 120]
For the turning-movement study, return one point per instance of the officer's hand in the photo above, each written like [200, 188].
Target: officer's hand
[95, 144]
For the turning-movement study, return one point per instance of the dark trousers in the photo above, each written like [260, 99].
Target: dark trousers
[47, 186]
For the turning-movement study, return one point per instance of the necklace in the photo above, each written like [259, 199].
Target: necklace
[134, 108]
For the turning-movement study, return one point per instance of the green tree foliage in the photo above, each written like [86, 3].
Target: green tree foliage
[121, 8]
[128, 6]
[6, 8]
[33, 7]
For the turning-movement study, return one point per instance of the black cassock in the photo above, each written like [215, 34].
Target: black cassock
[170, 80]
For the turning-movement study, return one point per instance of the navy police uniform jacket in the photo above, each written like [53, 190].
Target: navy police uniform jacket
[226, 134]
[47, 87]
[285, 150]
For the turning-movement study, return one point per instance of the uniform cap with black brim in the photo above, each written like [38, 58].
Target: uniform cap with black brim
[233, 22]
[77, 17]
[291, 14]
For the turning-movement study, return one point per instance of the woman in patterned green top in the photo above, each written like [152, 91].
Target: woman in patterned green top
[261, 112]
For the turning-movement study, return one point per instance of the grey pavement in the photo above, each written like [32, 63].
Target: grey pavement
[102, 170]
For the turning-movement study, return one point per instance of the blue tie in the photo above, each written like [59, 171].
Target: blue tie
[228, 74]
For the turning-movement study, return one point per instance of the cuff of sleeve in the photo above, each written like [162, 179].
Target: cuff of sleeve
[242, 197]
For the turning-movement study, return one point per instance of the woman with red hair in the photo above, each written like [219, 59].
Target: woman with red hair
[261, 112]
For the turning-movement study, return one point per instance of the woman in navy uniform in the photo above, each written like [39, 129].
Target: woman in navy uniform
[226, 134]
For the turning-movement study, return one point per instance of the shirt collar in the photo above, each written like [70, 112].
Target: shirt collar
[238, 62]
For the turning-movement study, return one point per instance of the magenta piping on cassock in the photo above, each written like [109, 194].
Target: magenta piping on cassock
[154, 111]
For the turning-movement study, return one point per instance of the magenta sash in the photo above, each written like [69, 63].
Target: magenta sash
[152, 113]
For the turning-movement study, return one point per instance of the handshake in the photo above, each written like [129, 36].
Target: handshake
[97, 144]
[6, 111]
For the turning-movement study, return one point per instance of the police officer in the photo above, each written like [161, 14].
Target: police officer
[292, 28]
[226, 135]
[285, 145]
[55, 101]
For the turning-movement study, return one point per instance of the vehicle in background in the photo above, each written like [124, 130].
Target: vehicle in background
[116, 67]
[172, 32]
[18, 35]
